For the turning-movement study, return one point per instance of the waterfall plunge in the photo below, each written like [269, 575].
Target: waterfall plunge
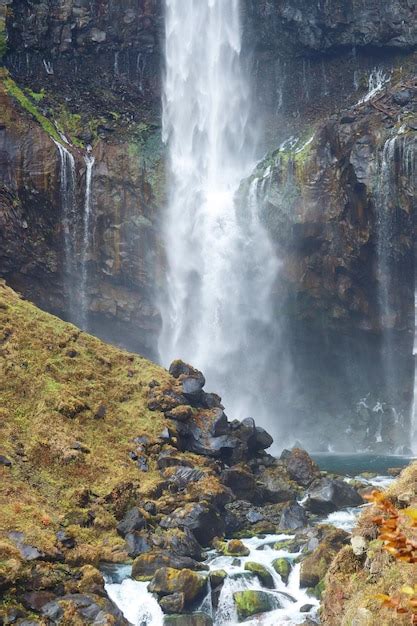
[218, 312]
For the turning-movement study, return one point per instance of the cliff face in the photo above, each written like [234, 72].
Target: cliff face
[91, 73]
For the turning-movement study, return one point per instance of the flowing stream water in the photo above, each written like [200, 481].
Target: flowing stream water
[290, 604]
[217, 311]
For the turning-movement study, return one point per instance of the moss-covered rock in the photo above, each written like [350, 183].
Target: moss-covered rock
[168, 581]
[234, 547]
[314, 567]
[261, 572]
[283, 567]
[252, 602]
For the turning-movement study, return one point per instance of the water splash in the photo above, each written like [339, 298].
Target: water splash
[138, 606]
[376, 82]
[222, 266]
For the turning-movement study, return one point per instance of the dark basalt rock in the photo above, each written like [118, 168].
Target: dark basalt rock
[293, 517]
[327, 496]
[196, 619]
[275, 485]
[65, 539]
[5, 461]
[27, 552]
[192, 388]
[137, 543]
[402, 97]
[241, 482]
[184, 476]
[301, 467]
[133, 520]
[173, 603]
[168, 458]
[89, 609]
[145, 565]
[203, 520]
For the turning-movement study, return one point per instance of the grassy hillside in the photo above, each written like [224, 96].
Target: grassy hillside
[70, 407]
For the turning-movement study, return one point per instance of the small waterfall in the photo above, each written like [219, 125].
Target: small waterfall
[221, 264]
[86, 239]
[68, 183]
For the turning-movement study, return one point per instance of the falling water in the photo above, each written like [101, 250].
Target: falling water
[68, 207]
[221, 265]
[86, 239]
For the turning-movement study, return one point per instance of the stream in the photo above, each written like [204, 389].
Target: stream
[290, 604]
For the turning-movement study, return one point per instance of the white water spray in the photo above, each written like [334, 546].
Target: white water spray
[221, 264]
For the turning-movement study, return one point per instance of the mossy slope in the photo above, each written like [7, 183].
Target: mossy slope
[70, 407]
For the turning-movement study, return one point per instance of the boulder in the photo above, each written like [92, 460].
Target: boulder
[180, 413]
[276, 485]
[174, 603]
[179, 368]
[262, 573]
[251, 602]
[301, 467]
[402, 97]
[241, 482]
[192, 388]
[145, 565]
[137, 543]
[133, 520]
[234, 547]
[5, 461]
[181, 543]
[293, 517]
[260, 440]
[196, 619]
[165, 399]
[282, 567]
[203, 520]
[184, 476]
[327, 495]
[168, 581]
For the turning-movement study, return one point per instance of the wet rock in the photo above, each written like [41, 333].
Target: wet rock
[167, 581]
[217, 577]
[402, 97]
[260, 440]
[306, 608]
[251, 602]
[181, 543]
[173, 603]
[276, 486]
[211, 401]
[241, 482]
[261, 572]
[133, 520]
[192, 388]
[90, 609]
[234, 547]
[196, 619]
[145, 565]
[301, 467]
[282, 567]
[327, 496]
[293, 517]
[203, 520]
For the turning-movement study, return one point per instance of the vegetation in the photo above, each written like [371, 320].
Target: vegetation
[70, 407]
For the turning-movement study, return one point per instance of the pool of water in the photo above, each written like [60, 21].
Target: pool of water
[354, 464]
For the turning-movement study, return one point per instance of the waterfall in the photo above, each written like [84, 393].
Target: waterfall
[68, 207]
[221, 265]
[396, 182]
[86, 239]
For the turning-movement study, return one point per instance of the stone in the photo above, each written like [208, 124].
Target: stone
[5, 461]
[306, 608]
[145, 565]
[136, 544]
[66, 540]
[260, 440]
[402, 97]
[276, 486]
[203, 520]
[196, 619]
[359, 545]
[192, 387]
[168, 458]
[184, 476]
[179, 368]
[181, 542]
[282, 567]
[173, 603]
[254, 517]
[27, 552]
[301, 467]
[217, 577]
[241, 482]
[293, 516]
[261, 572]
[133, 520]
[35, 600]
[327, 496]
[101, 412]
[250, 602]
[167, 581]
[235, 547]
[98, 36]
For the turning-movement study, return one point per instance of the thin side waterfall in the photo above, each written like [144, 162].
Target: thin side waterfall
[396, 174]
[68, 206]
[86, 239]
[217, 312]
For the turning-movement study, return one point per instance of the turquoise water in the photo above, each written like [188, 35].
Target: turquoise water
[354, 464]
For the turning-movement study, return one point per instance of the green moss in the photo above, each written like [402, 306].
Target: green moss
[15, 92]
[261, 572]
[36, 96]
[251, 602]
[283, 567]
